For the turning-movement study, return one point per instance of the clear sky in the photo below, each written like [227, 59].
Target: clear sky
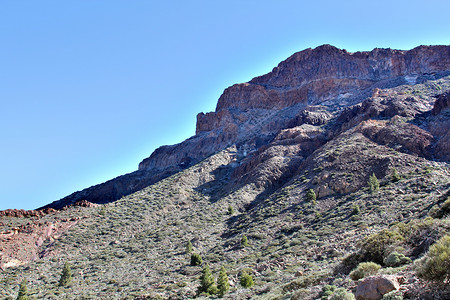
[90, 88]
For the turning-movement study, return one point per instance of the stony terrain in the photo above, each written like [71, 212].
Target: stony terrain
[325, 120]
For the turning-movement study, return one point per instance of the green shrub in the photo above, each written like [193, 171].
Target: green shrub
[374, 185]
[355, 209]
[327, 291]
[244, 241]
[444, 210]
[23, 292]
[364, 269]
[396, 259]
[230, 210]
[342, 294]
[393, 295]
[196, 259]
[246, 280]
[376, 245]
[311, 196]
[66, 276]
[435, 265]
[395, 176]
[188, 247]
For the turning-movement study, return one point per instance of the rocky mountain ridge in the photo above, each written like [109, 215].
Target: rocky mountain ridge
[308, 87]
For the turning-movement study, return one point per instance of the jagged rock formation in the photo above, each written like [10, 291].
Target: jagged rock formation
[310, 87]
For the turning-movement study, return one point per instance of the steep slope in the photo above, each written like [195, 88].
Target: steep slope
[251, 114]
[135, 247]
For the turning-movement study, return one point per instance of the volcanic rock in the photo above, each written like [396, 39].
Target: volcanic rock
[374, 287]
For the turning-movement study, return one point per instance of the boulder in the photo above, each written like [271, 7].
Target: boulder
[374, 287]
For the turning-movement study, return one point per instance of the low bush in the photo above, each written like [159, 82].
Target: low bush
[435, 265]
[375, 246]
[444, 210]
[342, 294]
[393, 295]
[396, 259]
[364, 269]
[246, 280]
[327, 291]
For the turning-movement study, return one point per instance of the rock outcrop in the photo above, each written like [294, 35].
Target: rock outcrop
[324, 87]
[374, 287]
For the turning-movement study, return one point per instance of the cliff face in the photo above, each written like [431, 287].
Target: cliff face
[311, 87]
[326, 76]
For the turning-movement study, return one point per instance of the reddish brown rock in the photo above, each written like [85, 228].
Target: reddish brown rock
[442, 102]
[374, 287]
[397, 134]
[21, 213]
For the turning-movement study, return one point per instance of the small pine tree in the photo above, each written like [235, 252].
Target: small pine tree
[311, 196]
[23, 292]
[196, 259]
[246, 280]
[66, 276]
[230, 210]
[222, 282]
[395, 176]
[244, 241]
[374, 185]
[207, 284]
[355, 209]
[188, 247]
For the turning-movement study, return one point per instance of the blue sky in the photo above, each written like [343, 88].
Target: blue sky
[90, 88]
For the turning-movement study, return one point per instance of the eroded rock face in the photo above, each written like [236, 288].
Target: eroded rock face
[326, 76]
[328, 73]
[398, 135]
